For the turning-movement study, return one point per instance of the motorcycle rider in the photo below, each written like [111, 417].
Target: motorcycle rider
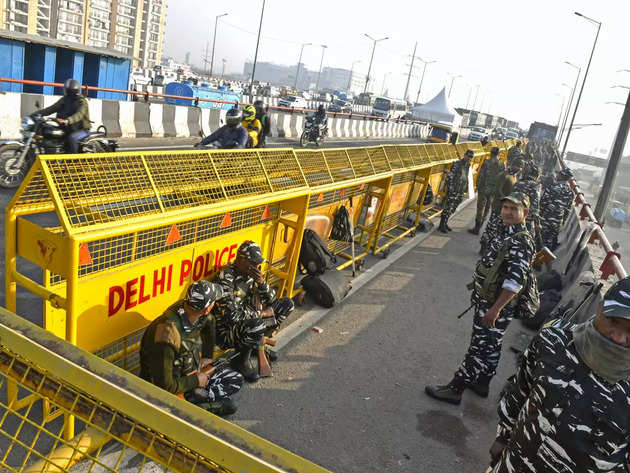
[263, 116]
[229, 136]
[252, 125]
[319, 119]
[72, 113]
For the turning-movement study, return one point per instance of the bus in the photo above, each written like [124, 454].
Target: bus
[389, 108]
[440, 133]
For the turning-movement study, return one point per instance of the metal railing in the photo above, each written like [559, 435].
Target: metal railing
[195, 100]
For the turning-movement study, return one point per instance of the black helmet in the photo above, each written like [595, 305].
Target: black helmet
[320, 108]
[71, 87]
[260, 107]
[234, 117]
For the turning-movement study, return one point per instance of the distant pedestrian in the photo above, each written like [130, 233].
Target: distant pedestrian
[456, 187]
[487, 179]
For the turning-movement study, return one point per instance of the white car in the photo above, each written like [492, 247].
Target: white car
[476, 133]
[511, 135]
[291, 101]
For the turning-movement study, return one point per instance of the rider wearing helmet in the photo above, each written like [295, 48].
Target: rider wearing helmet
[264, 121]
[252, 125]
[72, 112]
[231, 135]
[320, 114]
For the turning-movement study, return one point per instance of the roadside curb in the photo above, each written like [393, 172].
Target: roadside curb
[310, 318]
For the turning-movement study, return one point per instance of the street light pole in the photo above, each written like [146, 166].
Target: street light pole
[367, 79]
[476, 95]
[453, 77]
[223, 68]
[297, 72]
[320, 66]
[262, 13]
[351, 71]
[613, 162]
[561, 113]
[470, 88]
[384, 80]
[566, 116]
[413, 57]
[214, 40]
[577, 103]
[424, 69]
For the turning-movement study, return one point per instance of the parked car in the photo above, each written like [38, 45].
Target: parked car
[291, 101]
[476, 133]
[511, 135]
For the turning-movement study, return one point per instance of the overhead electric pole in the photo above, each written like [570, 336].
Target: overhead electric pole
[413, 57]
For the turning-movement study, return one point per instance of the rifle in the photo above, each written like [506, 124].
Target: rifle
[211, 368]
[544, 256]
[595, 288]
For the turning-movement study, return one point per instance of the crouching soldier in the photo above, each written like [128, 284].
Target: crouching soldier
[250, 311]
[568, 406]
[178, 345]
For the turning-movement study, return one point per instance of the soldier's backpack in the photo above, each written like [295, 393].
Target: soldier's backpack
[341, 230]
[326, 289]
[528, 300]
[315, 257]
[428, 196]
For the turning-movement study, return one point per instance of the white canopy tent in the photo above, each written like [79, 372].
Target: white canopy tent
[437, 110]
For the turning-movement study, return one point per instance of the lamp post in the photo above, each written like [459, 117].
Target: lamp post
[262, 13]
[561, 112]
[566, 116]
[351, 71]
[384, 80]
[223, 68]
[577, 103]
[424, 69]
[367, 79]
[214, 40]
[321, 63]
[476, 95]
[297, 71]
[453, 77]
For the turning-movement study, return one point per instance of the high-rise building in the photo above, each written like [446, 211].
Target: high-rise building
[132, 27]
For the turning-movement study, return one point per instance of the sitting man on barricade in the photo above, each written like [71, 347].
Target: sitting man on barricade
[499, 282]
[567, 408]
[250, 312]
[177, 348]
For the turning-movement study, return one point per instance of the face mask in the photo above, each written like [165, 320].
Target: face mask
[606, 358]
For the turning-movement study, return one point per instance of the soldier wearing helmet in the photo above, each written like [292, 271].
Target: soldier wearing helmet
[177, 345]
[72, 112]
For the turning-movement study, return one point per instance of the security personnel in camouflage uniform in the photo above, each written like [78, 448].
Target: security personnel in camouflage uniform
[505, 185]
[514, 153]
[456, 186]
[567, 408]
[180, 343]
[500, 276]
[250, 310]
[487, 179]
[529, 184]
[555, 206]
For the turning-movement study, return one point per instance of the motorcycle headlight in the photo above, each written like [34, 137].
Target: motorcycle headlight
[27, 124]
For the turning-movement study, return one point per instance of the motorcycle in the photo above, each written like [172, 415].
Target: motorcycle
[41, 135]
[313, 132]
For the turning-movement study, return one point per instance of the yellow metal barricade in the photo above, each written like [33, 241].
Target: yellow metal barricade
[123, 423]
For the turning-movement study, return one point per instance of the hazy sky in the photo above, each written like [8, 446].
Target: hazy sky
[515, 51]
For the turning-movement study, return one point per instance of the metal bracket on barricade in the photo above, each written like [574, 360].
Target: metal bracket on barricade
[595, 233]
[579, 198]
[608, 266]
[583, 212]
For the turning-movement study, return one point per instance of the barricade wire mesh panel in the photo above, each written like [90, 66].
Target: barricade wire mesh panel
[339, 164]
[314, 167]
[102, 189]
[405, 155]
[361, 162]
[111, 442]
[379, 159]
[124, 353]
[403, 177]
[392, 220]
[185, 180]
[116, 251]
[36, 191]
[283, 169]
[241, 174]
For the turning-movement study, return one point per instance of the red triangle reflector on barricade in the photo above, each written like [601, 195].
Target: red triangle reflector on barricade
[266, 213]
[227, 221]
[84, 255]
[320, 197]
[173, 235]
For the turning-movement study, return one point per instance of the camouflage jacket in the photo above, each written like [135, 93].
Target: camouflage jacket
[457, 178]
[556, 415]
[532, 189]
[488, 176]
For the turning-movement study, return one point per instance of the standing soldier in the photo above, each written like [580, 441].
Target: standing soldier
[567, 408]
[487, 179]
[505, 185]
[529, 184]
[456, 186]
[500, 276]
[179, 344]
[555, 205]
[250, 310]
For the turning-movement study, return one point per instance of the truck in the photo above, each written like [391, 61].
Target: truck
[542, 131]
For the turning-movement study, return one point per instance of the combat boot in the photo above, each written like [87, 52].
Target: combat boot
[475, 231]
[481, 387]
[447, 227]
[221, 408]
[451, 392]
[244, 365]
[442, 226]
